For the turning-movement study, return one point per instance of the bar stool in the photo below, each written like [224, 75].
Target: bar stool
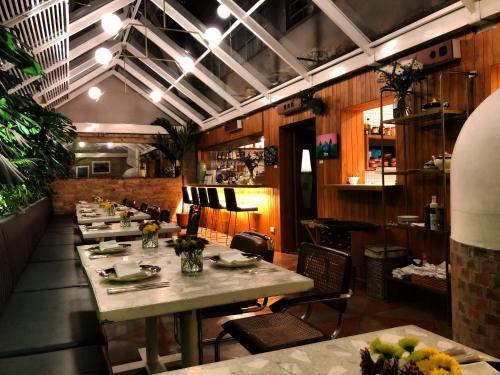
[202, 192]
[195, 200]
[213, 199]
[186, 199]
[232, 206]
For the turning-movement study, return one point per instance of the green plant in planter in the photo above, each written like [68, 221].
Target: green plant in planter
[316, 105]
[178, 140]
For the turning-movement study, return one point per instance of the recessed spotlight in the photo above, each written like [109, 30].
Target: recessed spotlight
[103, 56]
[81, 144]
[111, 23]
[95, 93]
[223, 11]
[156, 96]
[213, 37]
[186, 63]
[109, 145]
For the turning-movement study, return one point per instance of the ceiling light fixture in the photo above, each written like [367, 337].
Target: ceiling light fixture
[156, 96]
[81, 144]
[111, 24]
[186, 63]
[223, 11]
[213, 36]
[109, 144]
[95, 93]
[103, 56]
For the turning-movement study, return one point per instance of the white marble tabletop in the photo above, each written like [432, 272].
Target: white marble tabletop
[115, 230]
[334, 357]
[214, 286]
[83, 218]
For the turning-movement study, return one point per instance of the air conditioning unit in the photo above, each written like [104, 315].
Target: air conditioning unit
[233, 126]
[438, 54]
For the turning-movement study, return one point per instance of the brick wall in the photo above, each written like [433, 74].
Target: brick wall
[475, 285]
[164, 192]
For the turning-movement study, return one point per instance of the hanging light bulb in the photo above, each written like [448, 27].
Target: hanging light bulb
[81, 144]
[95, 93]
[186, 63]
[111, 23]
[223, 11]
[155, 96]
[109, 145]
[213, 37]
[103, 56]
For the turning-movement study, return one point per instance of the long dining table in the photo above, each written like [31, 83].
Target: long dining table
[185, 295]
[99, 215]
[116, 230]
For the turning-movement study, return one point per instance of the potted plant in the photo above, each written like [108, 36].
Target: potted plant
[178, 140]
[190, 249]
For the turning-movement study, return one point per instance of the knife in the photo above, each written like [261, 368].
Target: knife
[138, 287]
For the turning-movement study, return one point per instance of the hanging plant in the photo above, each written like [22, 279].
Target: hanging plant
[316, 105]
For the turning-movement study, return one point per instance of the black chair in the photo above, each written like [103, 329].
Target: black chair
[124, 201]
[130, 203]
[193, 220]
[154, 213]
[330, 269]
[165, 216]
[186, 199]
[232, 206]
[216, 207]
[202, 193]
[143, 207]
[195, 199]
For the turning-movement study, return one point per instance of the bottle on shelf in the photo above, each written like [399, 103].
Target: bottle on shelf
[433, 214]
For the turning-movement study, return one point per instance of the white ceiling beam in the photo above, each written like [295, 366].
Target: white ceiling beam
[333, 12]
[140, 91]
[153, 84]
[83, 89]
[190, 92]
[95, 16]
[178, 13]
[135, 10]
[30, 13]
[200, 72]
[470, 5]
[261, 33]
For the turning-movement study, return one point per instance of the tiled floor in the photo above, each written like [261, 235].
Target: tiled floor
[364, 314]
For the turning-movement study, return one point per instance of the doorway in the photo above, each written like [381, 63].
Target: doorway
[297, 182]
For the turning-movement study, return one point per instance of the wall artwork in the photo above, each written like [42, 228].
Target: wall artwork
[327, 146]
[270, 156]
[82, 171]
[101, 167]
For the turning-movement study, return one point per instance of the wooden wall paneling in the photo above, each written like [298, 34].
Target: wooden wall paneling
[495, 78]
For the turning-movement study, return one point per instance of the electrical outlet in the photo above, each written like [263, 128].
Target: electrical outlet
[272, 229]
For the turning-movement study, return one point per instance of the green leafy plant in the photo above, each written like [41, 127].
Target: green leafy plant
[316, 105]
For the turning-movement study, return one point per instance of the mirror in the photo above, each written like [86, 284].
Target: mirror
[120, 160]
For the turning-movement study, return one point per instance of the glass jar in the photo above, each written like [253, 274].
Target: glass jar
[150, 240]
[110, 211]
[125, 222]
[192, 262]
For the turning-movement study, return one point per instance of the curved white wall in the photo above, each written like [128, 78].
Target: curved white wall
[475, 178]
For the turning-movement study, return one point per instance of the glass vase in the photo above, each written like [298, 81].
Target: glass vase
[110, 211]
[401, 105]
[251, 179]
[150, 240]
[125, 222]
[192, 262]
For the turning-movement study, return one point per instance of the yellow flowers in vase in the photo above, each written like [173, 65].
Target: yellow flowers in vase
[125, 218]
[109, 207]
[150, 234]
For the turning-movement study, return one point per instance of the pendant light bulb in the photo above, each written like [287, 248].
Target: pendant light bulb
[111, 24]
[213, 37]
[156, 96]
[223, 11]
[186, 63]
[95, 93]
[103, 56]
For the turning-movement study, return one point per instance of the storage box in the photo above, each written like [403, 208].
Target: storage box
[378, 266]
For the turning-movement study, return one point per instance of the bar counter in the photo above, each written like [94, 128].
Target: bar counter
[235, 186]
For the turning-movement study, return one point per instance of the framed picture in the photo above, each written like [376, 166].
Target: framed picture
[327, 146]
[82, 171]
[101, 167]
[270, 156]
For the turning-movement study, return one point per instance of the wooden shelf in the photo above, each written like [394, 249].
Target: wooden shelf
[377, 137]
[427, 118]
[423, 171]
[415, 285]
[362, 187]
[417, 228]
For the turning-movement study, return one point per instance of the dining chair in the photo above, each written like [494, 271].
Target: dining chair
[232, 206]
[164, 216]
[143, 207]
[124, 201]
[330, 269]
[205, 206]
[153, 212]
[130, 203]
[215, 207]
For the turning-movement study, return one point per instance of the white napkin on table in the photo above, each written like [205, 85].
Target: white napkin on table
[90, 214]
[86, 210]
[108, 245]
[233, 258]
[479, 368]
[127, 269]
[122, 208]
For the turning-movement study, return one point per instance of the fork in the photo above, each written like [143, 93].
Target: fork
[130, 288]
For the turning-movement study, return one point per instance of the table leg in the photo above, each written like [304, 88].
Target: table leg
[189, 339]
[153, 364]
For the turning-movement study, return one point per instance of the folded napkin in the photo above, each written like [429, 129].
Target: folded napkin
[479, 368]
[108, 245]
[87, 210]
[82, 202]
[90, 214]
[122, 208]
[233, 258]
[127, 269]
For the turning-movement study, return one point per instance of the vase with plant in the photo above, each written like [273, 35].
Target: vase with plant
[125, 216]
[251, 161]
[109, 208]
[149, 232]
[399, 76]
[405, 359]
[190, 249]
[179, 140]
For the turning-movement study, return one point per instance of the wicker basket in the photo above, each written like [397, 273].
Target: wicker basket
[430, 282]
[377, 267]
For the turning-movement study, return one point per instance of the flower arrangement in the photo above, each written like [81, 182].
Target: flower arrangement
[97, 199]
[149, 231]
[403, 359]
[400, 76]
[190, 249]
[251, 161]
[109, 207]
[125, 218]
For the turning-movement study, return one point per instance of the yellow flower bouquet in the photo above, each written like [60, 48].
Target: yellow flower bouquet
[109, 207]
[125, 218]
[149, 231]
[403, 359]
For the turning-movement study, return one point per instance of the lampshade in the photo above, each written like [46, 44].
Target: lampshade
[475, 178]
[155, 96]
[212, 36]
[305, 165]
[186, 63]
[223, 11]
[111, 23]
[103, 56]
[95, 93]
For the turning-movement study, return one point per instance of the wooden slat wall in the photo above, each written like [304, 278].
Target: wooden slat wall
[480, 52]
[495, 78]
